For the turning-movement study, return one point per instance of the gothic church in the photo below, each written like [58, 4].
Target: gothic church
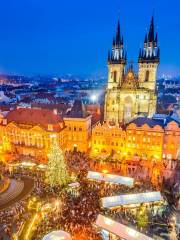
[129, 95]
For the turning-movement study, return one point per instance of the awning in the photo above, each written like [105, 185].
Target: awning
[119, 229]
[116, 179]
[127, 199]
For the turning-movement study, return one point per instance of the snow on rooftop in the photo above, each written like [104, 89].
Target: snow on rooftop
[127, 199]
[116, 179]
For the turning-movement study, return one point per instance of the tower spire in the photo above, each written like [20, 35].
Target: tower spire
[117, 54]
[118, 34]
[150, 51]
[151, 31]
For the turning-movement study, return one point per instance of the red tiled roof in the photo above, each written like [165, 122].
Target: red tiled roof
[30, 116]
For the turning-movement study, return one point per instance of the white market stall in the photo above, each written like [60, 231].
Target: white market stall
[110, 178]
[131, 199]
[114, 228]
[57, 235]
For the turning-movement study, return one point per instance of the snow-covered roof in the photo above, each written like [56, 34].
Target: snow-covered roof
[127, 199]
[119, 229]
[57, 235]
[111, 178]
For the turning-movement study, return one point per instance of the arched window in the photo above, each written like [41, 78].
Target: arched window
[147, 76]
[115, 76]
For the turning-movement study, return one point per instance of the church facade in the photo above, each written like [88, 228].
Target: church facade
[131, 127]
[129, 95]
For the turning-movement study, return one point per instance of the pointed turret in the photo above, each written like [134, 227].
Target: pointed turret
[145, 39]
[151, 31]
[109, 55]
[117, 53]
[118, 35]
[150, 51]
[114, 42]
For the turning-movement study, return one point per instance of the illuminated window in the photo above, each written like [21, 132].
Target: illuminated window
[147, 76]
[115, 76]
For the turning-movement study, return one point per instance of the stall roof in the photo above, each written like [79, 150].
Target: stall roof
[138, 198]
[57, 235]
[119, 229]
[111, 178]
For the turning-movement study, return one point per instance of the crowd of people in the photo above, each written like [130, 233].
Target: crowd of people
[77, 213]
[12, 219]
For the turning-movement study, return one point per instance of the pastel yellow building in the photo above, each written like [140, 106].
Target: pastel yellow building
[108, 138]
[142, 138]
[78, 128]
[28, 132]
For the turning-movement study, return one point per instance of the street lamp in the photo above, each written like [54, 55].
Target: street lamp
[94, 98]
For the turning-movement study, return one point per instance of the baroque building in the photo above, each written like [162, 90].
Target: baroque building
[142, 138]
[129, 95]
[78, 128]
[28, 131]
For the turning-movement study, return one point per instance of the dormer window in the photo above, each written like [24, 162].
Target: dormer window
[50, 127]
[4, 121]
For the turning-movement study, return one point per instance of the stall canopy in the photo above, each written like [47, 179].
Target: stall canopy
[116, 179]
[119, 229]
[57, 235]
[115, 201]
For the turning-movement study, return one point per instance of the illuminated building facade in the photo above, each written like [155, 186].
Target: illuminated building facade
[28, 131]
[127, 94]
[131, 128]
[145, 138]
[78, 128]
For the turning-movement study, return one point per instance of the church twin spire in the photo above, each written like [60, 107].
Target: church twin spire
[117, 54]
[150, 52]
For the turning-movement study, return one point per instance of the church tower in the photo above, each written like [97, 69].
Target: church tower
[116, 71]
[130, 95]
[116, 61]
[149, 58]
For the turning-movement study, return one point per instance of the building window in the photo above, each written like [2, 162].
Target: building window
[74, 128]
[115, 76]
[50, 127]
[147, 76]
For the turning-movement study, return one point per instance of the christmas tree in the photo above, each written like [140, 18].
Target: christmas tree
[56, 173]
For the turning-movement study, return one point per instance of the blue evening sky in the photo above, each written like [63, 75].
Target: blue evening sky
[73, 36]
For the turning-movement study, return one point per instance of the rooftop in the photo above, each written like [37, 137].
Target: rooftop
[77, 111]
[30, 116]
